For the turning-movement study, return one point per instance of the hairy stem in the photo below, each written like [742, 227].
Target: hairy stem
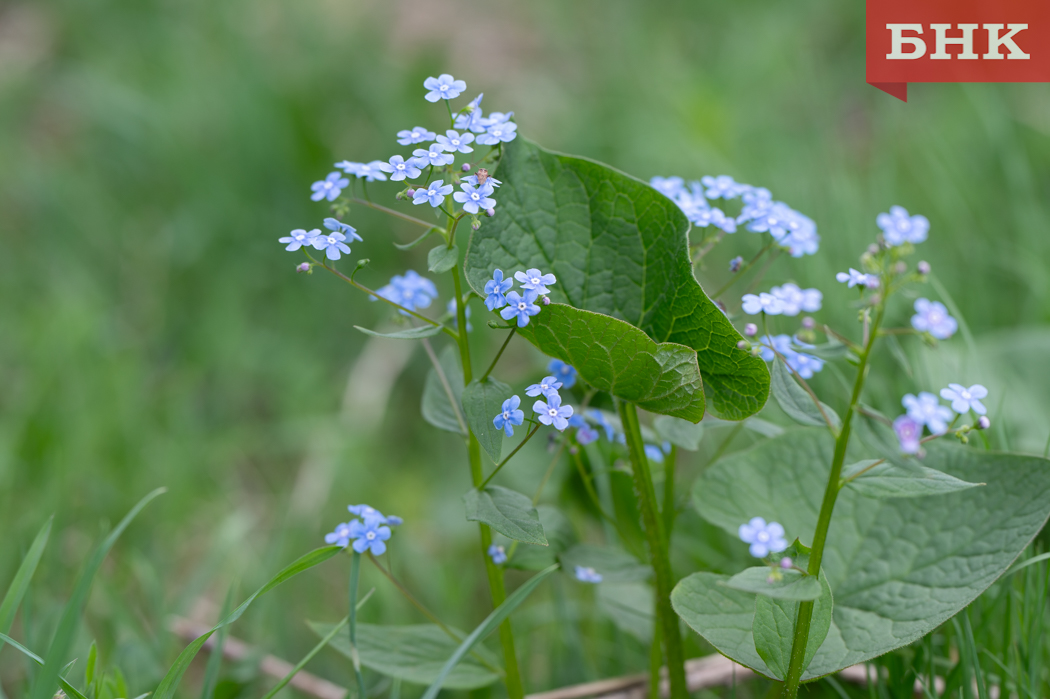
[657, 542]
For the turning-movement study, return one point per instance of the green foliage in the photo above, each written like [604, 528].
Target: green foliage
[409, 334]
[508, 512]
[437, 409]
[442, 258]
[614, 565]
[482, 401]
[906, 480]
[630, 607]
[789, 585]
[619, 249]
[681, 433]
[20, 583]
[796, 402]
[774, 627]
[557, 529]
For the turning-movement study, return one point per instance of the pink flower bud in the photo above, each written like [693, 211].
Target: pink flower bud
[304, 267]
[923, 267]
[750, 329]
[983, 422]
[786, 563]
[490, 212]
[743, 345]
[809, 323]
[466, 167]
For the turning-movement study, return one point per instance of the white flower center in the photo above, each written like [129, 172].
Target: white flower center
[552, 412]
[965, 395]
[763, 536]
[474, 196]
[370, 535]
[506, 414]
[454, 141]
[400, 166]
[535, 280]
[521, 306]
[332, 241]
[443, 88]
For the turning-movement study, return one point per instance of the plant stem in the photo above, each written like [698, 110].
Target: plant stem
[657, 541]
[398, 214]
[500, 353]
[668, 511]
[355, 572]
[743, 270]
[509, 456]
[831, 492]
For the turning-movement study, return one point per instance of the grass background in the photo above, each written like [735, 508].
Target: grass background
[152, 332]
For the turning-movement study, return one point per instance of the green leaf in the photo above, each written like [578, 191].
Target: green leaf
[887, 480]
[559, 534]
[832, 349]
[792, 584]
[20, 583]
[794, 400]
[681, 433]
[436, 407]
[614, 565]
[508, 512]
[417, 241]
[46, 682]
[482, 401]
[409, 334]
[168, 685]
[414, 653]
[66, 686]
[89, 668]
[630, 607]
[774, 628]
[486, 627]
[618, 248]
[442, 258]
[886, 595]
[614, 356]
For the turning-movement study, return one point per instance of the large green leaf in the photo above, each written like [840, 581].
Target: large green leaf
[679, 432]
[897, 567]
[796, 402]
[789, 585]
[774, 628]
[437, 409]
[907, 480]
[630, 606]
[618, 248]
[414, 653]
[482, 401]
[507, 511]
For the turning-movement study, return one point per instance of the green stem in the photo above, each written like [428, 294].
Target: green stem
[669, 502]
[355, 572]
[500, 353]
[743, 270]
[500, 465]
[831, 492]
[657, 541]
[398, 214]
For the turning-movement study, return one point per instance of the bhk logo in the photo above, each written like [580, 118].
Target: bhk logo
[956, 41]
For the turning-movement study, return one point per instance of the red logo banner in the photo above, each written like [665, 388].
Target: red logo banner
[949, 41]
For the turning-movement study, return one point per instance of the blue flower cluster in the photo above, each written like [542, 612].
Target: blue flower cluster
[549, 411]
[932, 317]
[898, 227]
[763, 538]
[370, 533]
[925, 410]
[856, 278]
[788, 299]
[411, 291]
[521, 306]
[805, 364]
[333, 244]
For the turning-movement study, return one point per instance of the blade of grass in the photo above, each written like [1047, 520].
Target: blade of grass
[211, 671]
[975, 660]
[1024, 564]
[66, 686]
[47, 681]
[20, 583]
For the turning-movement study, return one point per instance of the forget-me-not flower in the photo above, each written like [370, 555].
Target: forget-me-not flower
[496, 289]
[472, 119]
[369, 511]
[455, 142]
[298, 238]
[535, 280]
[433, 194]
[332, 244]
[563, 372]
[899, 228]
[795, 300]
[855, 278]
[670, 187]
[475, 198]
[473, 180]
[330, 187]
[434, 155]
[763, 538]
[723, 187]
[757, 201]
[370, 534]
[411, 291]
[496, 133]
[553, 412]
[599, 418]
[587, 574]
[509, 416]
[498, 554]
[964, 399]
[546, 386]
[654, 453]
[586, 435]
[909, 434]
[401, 168]
[763, 303]
[932, 317]
[927, 410]
[415, 135]
[340, 536]
[521, 307]
[351, 168]
[443, 87]
[805, 364]
[334, 224]
[370, 172]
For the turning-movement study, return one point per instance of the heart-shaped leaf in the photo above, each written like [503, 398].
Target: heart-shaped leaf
[618, 248]
[791, 584]
[442, 258]
[774, 628]
[482, 401]
[507, 511]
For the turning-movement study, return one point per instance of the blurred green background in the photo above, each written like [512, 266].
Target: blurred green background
[153, 332]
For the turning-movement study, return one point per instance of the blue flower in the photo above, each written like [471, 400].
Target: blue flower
[472, 119]
[764, 538]
[553, 412]
[563, 372]
[434, 155]
[334, 224]
[586, 435]
[415, 135]
[330, 187]
[599, 418]
[520, 306]
[588, 575]
[670, 187]
[496, 133]
[577, 421]
[496, 288]
[496, 118]
[401, 168]
[298, 238]
[340, 536]
[535, 280]
[370, 534]
[763, 303]
[332, 244]
[473, 199]
[965, 399]
[927, 410]
[757, 202]
[546, 386]
[932, 317]
[355, 169]
[802, 238]
[795, 300]
[433, 194]
[473, 180]
[411, 291]
[806, 365]
[899, 228]
[653, 452]
[909, 434]
[498, 554]
[443, 87]
[369, 511]
[454, 142]
[854, 278]
[451, 307]
[723, 187]
[509, 416]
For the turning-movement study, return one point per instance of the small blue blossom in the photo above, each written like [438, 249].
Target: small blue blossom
[498, 554]
[670, 187]
[298, 238]
[369, 511]
[415, 135]
[599, 419]
[451, 308]
[496, 288]
[805, 364]
[370, 172]
[535, 280]
[473, 180]
[509, 416]
[434, 155]
[433, 194]
[401, 168]
[802, 239]
[330, 187]
[472, 119]
[496, 118]
[763, 303]
[473, 199]
[909, 434]
[340, 536]
[764, 538]
[370, 535]
[546, 386]
[411, 291]
[553, 412]
[795, 300]
[588, 575]
[497, 133]
[455, 142]
[443, 87]
[723, 187]
[932, 317]
[586, 435]
[927, 410]
[854, 278]
[351, 168]
[332, 244]
[654, 453]
[521, 307]
[965, 399]
[577, 421]
[334, 224]
[736, 263]
[757, 202]
[899, 228]
[563, 372]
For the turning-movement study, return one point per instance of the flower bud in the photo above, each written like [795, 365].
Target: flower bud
[304, 267]
[875, 299]
[866, 260]
[901, 267]
[923, 267]
[573, 450]
[410, 192]
[546, 300]
[736, 263]
[983, 422]
[873, 249]
[743, 345]
[490, 212]
[750, 329]
[466, 167]
[476, 224]
[808, 323]
[786, 563]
